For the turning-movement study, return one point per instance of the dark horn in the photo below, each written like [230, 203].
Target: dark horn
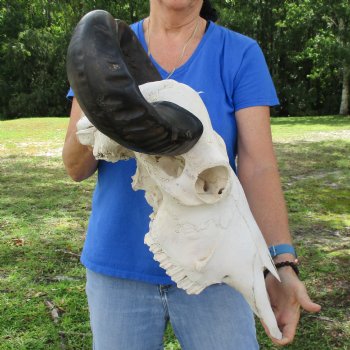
[139, 65]
[105, 64]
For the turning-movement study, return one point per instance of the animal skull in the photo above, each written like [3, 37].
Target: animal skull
[201, 231]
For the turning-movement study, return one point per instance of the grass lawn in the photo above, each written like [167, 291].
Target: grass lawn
[43, 217]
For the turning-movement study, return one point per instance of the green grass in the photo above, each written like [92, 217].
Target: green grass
[310, 129]
[43, 218]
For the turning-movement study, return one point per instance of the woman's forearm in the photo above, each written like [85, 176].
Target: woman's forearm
[263, 190]
[78, 159]
[259, 176]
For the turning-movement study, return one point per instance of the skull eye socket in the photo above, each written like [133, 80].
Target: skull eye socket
[172, 166]
[212, 183]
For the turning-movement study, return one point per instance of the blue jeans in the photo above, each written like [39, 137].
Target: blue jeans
[132, 315]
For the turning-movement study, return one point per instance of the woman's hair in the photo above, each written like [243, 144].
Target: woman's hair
[208, 12]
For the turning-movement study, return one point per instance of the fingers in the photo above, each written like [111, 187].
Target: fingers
[305, 301]
[287, 299]
[288, 332]
[300, 293]
[288, 329]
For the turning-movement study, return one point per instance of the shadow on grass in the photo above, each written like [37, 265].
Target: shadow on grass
[303, 158]
[316, 175]
[40, 207]
[35, 188]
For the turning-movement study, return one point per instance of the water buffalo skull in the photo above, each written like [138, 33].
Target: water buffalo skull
[201, 231]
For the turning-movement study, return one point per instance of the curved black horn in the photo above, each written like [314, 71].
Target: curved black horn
[105, 64]
[139, 65]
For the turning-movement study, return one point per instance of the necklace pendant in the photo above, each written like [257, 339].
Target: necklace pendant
[170, 74]
[177, 65]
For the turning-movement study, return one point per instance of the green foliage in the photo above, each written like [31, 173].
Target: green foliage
[32, 52]
[306, 44]
[34, 39]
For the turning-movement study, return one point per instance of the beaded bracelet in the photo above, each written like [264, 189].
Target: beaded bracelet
[292, 264]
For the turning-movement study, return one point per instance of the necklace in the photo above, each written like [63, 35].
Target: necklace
[177, 65]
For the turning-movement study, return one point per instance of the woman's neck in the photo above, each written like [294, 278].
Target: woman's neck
[173, 32]
[172, 20]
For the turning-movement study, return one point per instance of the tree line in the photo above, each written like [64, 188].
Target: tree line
[306, 44]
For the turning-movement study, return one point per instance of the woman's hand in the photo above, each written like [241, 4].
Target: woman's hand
[286, 298]
[258, 174]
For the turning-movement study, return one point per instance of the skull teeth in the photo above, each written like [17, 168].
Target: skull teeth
[178, 277]
[185, 284]
[161, 257]
[166, 265]
[176, 272]
[195, 289]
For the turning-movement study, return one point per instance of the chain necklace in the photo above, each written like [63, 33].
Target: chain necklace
[177, 65]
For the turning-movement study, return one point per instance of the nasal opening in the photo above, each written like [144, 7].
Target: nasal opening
[212, 183]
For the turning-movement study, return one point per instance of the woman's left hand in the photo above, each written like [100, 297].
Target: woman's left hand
[286, 297]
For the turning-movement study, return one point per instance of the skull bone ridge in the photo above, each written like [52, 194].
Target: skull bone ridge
[201, 231]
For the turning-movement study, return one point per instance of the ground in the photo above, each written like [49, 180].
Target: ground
[43, 219]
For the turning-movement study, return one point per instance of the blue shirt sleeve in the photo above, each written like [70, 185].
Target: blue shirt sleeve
[70, 94]
[253, 85]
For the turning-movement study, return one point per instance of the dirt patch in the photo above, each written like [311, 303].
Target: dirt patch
[315, 175]
[322, 236]
[317, 136]
[328, 135]
[46, 149]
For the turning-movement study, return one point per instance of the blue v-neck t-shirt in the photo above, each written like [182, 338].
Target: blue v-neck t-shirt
[229, 72]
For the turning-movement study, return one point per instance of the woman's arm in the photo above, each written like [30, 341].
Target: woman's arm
[259, 176]
[78, 159]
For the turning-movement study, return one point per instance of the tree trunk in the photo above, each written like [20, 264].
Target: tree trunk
[131, 11]
[344, 105]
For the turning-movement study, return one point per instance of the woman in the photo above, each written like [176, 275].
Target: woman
[130, 297]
